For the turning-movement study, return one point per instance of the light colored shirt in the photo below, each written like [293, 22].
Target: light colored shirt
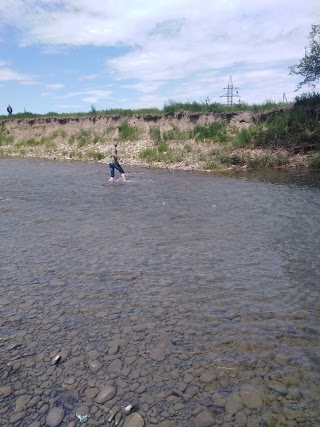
[113, 154]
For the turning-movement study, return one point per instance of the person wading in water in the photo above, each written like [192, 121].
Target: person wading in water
[114, 161]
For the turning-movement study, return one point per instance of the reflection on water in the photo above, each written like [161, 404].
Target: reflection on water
[197, 294]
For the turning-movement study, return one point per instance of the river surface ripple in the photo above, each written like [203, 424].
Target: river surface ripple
[195, 295]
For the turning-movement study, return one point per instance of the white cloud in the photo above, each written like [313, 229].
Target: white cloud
[173, 48]
[55, 86]
[6, 74]
[90, 95]
[67, 107]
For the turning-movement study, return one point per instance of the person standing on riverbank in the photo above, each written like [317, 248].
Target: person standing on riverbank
[9, 109]
[114, 161]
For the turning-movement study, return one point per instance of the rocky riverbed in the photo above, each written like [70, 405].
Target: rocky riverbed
[191, 297]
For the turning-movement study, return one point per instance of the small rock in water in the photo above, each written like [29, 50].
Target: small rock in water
[204, 419]
[55, 417]
[94, 366]
[251, 396]
[134, 420]
[106, 393]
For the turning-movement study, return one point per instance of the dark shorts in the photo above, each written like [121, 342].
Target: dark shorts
[114, 166]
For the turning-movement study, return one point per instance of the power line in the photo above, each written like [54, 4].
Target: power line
[230, 92]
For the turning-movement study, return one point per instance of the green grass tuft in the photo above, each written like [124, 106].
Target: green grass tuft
[314, 161]
[155, 134]
[215, 131]
[162, 153]
[95, 155]
[29, 143]
[127, 132]
[5, 137]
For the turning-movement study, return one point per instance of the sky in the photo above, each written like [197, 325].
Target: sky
[68, 56]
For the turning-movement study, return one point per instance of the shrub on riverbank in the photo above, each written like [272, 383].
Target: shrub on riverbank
[5, 137]
[295, 130]
[314, 161]
[261, 161]
[162, 153]
[127, 132]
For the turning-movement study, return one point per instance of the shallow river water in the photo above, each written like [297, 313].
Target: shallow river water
[193, 295]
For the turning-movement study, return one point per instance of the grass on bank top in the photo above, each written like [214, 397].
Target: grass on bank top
[170, 106]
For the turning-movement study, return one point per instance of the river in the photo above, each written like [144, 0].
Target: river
[195, 295]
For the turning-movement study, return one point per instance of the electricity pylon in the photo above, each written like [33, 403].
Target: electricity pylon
[230, 92]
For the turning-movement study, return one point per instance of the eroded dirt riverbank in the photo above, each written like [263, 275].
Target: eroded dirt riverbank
[88, 138]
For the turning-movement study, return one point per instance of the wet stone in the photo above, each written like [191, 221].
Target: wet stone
[158, 354]
[82, 410]
[5, 390]
[167, 423]
[91, 393]
[204, 419]
[208, 377]
[277, 387]
[251, 396]
[114, 348]
[17, 417]
[218, 400]
[44, 409]
[115, 366]
[55, 417]
[105, 394]
[69, 381]
[191, 391]
[94, 365]
[241, 419]
[139, 328]
[134, 420]
[34, 401]
[234, 404]
[21, 402]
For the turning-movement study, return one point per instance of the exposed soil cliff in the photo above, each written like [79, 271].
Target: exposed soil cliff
[88, 137]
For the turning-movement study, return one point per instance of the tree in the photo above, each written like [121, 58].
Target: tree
[309, 66]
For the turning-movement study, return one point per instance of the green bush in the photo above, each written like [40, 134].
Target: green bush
[294, 130]
[127, 132]
[176, 134]
[267, 160]
[95, 155]
[314, 161]
[155, 134]
[162, 153]
[163, 147]
[308, 99]
[75, 155]
[5, 137]
[245, 138]
[227, 159]
[212, 164]
[56, 133]
[213, 131]
[29, 143]
[83, 137]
